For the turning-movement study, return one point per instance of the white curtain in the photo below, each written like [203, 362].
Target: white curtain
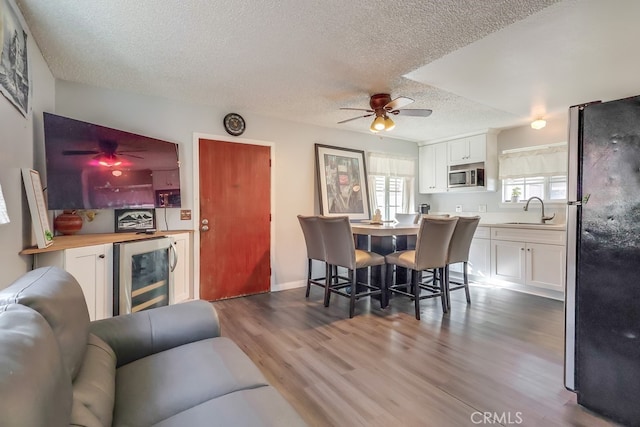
[547, 161]
[396, 166]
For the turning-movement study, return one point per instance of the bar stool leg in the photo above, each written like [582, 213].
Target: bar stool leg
[466, 282]
[416, 291]
[352, 301]
[327, 284]
[309, 278]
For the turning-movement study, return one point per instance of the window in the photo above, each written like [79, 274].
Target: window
[391, 181]
[539, 171]
[547, 188]
[389, 194]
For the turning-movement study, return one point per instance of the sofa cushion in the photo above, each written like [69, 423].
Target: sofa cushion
[57, 296]
[262, 406]
[94, 387]
[34, 383]
[164, 384]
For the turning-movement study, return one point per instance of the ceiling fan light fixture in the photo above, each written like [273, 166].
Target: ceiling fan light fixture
[388, 123]
[108, 160]
[378, 123]
[538, 124]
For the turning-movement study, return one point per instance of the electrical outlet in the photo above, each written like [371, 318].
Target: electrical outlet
[458, 208]
[482, 208]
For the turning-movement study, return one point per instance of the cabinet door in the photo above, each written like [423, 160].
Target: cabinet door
[458, 151]
[477, 148]
[90, 266]
[546, 266]
[182, 271]
[440, 167]
[427, 171]
[479, 265]
[508, 261]
[433, 168]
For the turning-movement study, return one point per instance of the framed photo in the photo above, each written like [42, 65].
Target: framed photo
[128, 220]
[14, 66]
[342, 182]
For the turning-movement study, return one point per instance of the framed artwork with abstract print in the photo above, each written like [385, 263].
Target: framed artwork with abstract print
[342, 182]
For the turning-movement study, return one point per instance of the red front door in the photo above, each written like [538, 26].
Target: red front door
[235, 195]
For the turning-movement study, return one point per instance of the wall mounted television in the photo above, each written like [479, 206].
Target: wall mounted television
[95, 167]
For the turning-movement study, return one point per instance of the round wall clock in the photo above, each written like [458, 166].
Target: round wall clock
[234, 124]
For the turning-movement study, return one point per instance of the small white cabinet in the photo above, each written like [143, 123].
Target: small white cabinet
[182, 272]
[546, 266]
[433, 168]
[471, 149]
[92, 267]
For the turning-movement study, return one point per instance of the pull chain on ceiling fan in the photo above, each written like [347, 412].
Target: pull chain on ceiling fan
[382, 107]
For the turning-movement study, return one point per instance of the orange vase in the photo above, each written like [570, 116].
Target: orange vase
[68, 222]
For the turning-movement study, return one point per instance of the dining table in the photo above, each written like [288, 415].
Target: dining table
[383, 239]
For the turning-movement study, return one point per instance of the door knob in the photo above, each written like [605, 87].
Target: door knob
[204, 228]
[205, 221]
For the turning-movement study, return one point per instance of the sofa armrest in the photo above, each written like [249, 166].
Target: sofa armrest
[137, 335]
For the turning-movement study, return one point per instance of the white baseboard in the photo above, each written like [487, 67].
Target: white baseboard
[288, 285]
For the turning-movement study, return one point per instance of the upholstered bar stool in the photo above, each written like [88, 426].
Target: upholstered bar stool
[341, 252]
[431, 252]
[459, 252]
[315, 250]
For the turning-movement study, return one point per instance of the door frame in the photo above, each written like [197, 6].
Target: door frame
[195, 201]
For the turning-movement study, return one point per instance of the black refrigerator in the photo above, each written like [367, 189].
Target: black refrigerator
[602, 307]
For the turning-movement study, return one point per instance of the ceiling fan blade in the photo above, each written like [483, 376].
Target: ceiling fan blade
[356, 118]
[78, 152]
[122, 153]
[416, 112]
[397, 103]
[357, 109]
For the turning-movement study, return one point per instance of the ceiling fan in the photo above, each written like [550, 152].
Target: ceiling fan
[382, 106]
[106, 155]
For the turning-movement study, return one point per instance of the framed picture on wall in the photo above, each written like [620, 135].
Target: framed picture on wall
[342, 182]
[128, 220]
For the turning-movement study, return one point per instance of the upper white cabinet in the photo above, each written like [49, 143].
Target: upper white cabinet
[433, 168]
[166, 179]
[471, 149]
[92, 268]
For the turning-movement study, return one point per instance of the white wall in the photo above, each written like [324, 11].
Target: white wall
[294, 186]
[518, 137]
[17, 137]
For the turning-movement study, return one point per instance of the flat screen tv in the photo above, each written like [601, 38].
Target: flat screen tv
[96, 167]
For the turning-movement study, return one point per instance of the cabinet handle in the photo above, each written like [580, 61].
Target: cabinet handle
[522, 249]
[528, 249]
[101, 256]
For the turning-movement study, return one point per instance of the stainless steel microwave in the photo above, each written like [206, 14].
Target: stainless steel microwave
[466, 178]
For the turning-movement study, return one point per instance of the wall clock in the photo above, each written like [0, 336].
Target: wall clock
[234, 124]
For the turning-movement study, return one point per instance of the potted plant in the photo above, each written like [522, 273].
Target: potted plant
[515, 194]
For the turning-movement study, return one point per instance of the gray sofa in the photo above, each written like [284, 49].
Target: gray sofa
[161, 367]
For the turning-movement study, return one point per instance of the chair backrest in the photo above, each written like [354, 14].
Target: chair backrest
[461, 239]
[312, 236]
[432, 245]
[338, 241]
[407, 218]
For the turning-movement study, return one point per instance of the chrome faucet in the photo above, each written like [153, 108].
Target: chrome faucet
[543, 218]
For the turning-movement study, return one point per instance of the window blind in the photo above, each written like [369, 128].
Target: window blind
[547, 161]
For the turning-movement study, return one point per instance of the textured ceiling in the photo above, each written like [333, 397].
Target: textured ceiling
[292, 59]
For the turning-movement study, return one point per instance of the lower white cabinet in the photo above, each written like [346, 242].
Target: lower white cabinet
[182, 271]
[92, 267]
[526, 261]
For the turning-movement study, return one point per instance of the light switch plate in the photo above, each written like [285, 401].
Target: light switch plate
[185, 214]
[458, 208]
[482, 208]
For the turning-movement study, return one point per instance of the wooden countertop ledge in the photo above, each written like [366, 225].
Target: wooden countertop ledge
[79, 240]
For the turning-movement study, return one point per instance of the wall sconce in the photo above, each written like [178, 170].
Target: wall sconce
[538, 124]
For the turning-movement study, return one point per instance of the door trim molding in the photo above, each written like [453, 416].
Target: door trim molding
[195, 201]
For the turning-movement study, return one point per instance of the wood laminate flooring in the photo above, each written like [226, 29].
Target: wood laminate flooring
[502, 355]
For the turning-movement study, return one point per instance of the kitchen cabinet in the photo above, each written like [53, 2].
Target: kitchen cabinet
[529, 257]
[471, 149]
[182, 272]
[479, 265]
[166, 179]
[92, 267]
[433, 168]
